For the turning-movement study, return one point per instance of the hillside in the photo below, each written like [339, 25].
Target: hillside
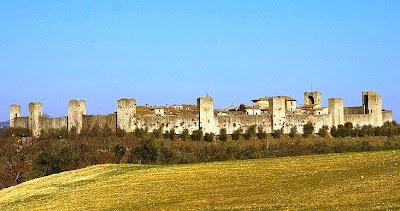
[4, 124]
[345, 181]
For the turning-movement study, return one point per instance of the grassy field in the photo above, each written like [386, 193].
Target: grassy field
[334, 181]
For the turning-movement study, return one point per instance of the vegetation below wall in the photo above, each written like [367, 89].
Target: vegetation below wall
[23, 158]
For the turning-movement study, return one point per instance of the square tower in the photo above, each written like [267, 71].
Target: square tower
[207, 122]
[35, 112]
[126, 111]
[372, 105]
[15, 111]
[313, 98]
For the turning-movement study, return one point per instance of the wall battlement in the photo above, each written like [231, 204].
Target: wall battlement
[270, 113]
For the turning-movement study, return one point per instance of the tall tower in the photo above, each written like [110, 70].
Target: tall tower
[207, 123]
[35, 112]
[126, 112]
[312, 98]
[278, 112]
[76, 110]
[372, 105]
[336, 110]
[15, 111]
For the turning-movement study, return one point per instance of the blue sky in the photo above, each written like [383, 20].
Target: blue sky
[174, 51]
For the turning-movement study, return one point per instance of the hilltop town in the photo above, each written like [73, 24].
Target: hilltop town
[268, 113]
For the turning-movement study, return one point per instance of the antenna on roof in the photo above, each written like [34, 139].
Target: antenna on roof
[311, 87]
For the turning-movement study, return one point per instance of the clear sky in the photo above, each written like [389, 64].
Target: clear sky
[165, 52]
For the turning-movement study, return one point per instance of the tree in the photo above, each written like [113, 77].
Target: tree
[262, 135]
[184, 136]
[242, 107]
[145, 152]
[308, 129]
[171, 134]
[250, 132]
[293, 132]
[222, 135]
[236, 134]
[209, 137]
[277, 133]
[197, 135]
[323, 131]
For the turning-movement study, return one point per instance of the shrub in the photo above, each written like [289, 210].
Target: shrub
[209, 137]
[277, 133]
[250, 132]
[323, 131]
[222, 135]
[197, 135]
[236, 134]
[308, 129]
[262, 135]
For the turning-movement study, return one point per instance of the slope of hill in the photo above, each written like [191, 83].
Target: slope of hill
[345, 181]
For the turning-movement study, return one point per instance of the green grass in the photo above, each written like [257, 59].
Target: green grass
[350, 181]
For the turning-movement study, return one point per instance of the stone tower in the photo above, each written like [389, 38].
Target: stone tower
[15, 111]
[76, 110]
[312, 98]
[336, 110]
[372, 105]
[35, 112]
[126, 112]
[205, 106]
[278, 113]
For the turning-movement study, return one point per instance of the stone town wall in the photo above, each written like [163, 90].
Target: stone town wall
[234, 122]
[178, 122]
[47, 123]
[359, 119]
[354, 110]
[299, 120]
[21, 122]
[102, 121]
[387, 116]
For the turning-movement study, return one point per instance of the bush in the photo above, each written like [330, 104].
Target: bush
[277, 133]
[262, 135]
[323, 131]
[308, 129]
[209, 137]
[236, 134]
[197, 135]
[250, 132]
[222, 135]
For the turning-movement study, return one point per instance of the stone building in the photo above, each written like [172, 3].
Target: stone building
[268, 113]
